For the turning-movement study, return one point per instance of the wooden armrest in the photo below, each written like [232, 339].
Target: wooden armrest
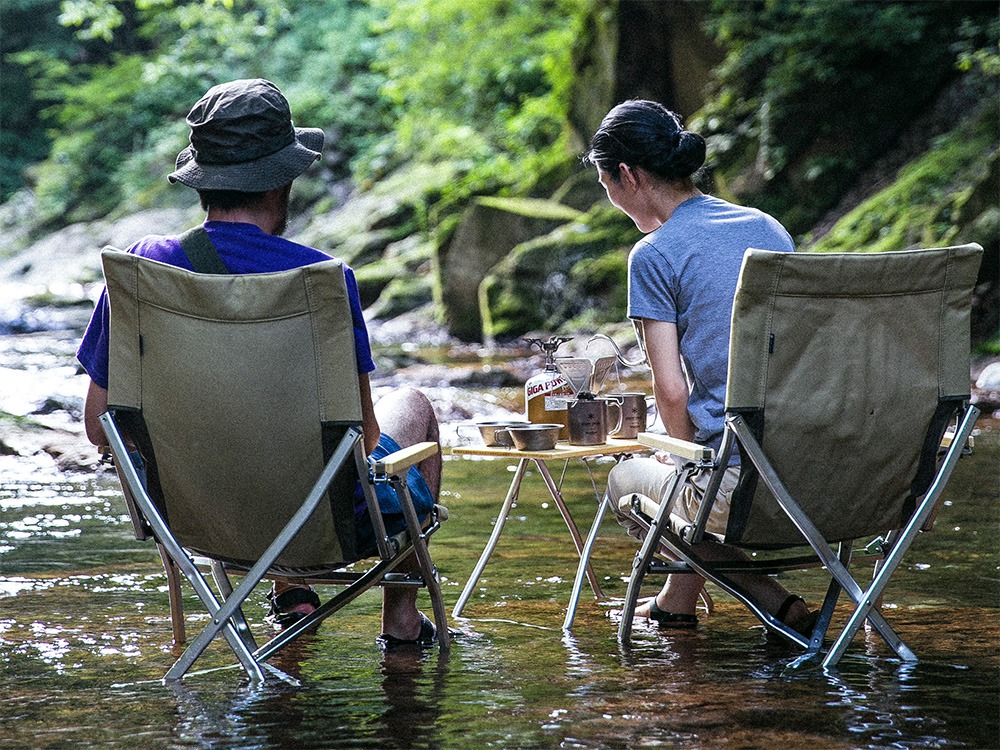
[676, 447]
[404, 458]
[950, 435]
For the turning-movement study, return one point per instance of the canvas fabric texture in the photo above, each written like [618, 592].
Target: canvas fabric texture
[846, 359]
[215, 421]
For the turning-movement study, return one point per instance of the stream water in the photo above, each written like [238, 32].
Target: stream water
[85, 630]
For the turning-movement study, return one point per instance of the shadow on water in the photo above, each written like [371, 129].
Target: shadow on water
[85, 634]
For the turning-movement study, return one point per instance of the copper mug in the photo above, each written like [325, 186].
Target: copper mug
[588, 419]
[634, 414]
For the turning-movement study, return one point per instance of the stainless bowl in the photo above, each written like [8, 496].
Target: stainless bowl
[489, 432]
[534, 437]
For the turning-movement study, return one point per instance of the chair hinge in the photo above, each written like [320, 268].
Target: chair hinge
[876, 546]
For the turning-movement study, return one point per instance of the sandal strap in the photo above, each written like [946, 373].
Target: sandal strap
[786, 605]
[662, 617]
[424, 638]
[291, 598]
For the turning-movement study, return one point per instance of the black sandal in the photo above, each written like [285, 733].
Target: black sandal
[804, 625]
[425, 638]
[670, 619]
[278, 605]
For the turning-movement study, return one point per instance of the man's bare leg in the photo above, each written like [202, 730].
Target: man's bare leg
[407, 417]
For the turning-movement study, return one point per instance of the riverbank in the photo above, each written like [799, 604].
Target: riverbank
[42, 388]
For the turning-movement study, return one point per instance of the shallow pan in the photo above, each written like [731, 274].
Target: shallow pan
[489, 432]
[533, 437]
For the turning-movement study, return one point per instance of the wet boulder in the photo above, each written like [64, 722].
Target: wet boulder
[490, 228]
[572, 279]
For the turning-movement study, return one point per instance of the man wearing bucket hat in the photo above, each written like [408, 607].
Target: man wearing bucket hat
[243, 156]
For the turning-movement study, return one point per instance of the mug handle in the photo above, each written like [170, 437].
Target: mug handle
[618, 424]
[503, 442]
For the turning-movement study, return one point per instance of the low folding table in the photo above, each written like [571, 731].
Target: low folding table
[562, 452]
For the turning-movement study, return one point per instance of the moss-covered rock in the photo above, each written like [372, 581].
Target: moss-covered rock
[944, 196]
[923, 205]
[360, 230]
[576, 272]
[401, 281]
[489, 230]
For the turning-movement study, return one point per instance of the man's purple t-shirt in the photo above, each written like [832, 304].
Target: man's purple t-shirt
[243, 248]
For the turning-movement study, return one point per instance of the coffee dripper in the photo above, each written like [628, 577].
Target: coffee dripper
[589, 418]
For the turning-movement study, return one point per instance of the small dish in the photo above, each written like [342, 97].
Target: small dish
[532, 437]
[489, 432]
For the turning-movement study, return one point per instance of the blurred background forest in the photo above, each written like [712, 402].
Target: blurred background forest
[451, 179]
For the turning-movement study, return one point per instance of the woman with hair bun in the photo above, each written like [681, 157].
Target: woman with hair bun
[681, 281]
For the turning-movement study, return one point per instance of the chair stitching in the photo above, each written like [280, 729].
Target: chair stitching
[943, 293]
[766, 364]
[814, 295]
[260, 319]
[134, 296]
[309, 285]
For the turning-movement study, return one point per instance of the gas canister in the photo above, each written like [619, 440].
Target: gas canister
[547, 392]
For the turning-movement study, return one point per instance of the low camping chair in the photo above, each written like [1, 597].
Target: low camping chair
[235, 424]
[845, 373]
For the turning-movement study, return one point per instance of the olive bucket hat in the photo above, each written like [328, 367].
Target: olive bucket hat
[242, 138]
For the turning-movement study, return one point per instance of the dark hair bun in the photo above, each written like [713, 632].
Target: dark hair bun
[643, 133]
[684, 159]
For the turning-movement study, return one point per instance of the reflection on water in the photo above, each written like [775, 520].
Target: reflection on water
[85, 637]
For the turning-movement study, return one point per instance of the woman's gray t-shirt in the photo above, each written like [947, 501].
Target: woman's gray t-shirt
[685, 272]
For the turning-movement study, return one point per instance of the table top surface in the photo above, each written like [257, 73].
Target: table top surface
[563, 450]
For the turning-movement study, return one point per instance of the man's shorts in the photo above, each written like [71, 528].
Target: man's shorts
[388, 502]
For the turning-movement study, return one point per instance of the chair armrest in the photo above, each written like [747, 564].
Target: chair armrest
[404, 458]
[677, 447]
[949, 436]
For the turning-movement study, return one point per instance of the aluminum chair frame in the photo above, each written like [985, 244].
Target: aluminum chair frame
[346, 455]
[682, 538]
[837, 562]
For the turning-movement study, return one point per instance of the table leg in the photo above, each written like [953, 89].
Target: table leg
[508, 502]
[574, 596]
[574, 532]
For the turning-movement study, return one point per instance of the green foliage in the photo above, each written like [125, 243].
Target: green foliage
[95, 19]
[989, 348]
[101, 120]
[972, 56]
[114, 122]
[323, 59]
[485, 84]
[26, 24]
[811, 92]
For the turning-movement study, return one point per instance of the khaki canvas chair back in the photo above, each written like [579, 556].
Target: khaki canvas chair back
[847, 368]
[844, 372]
[241, 394]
